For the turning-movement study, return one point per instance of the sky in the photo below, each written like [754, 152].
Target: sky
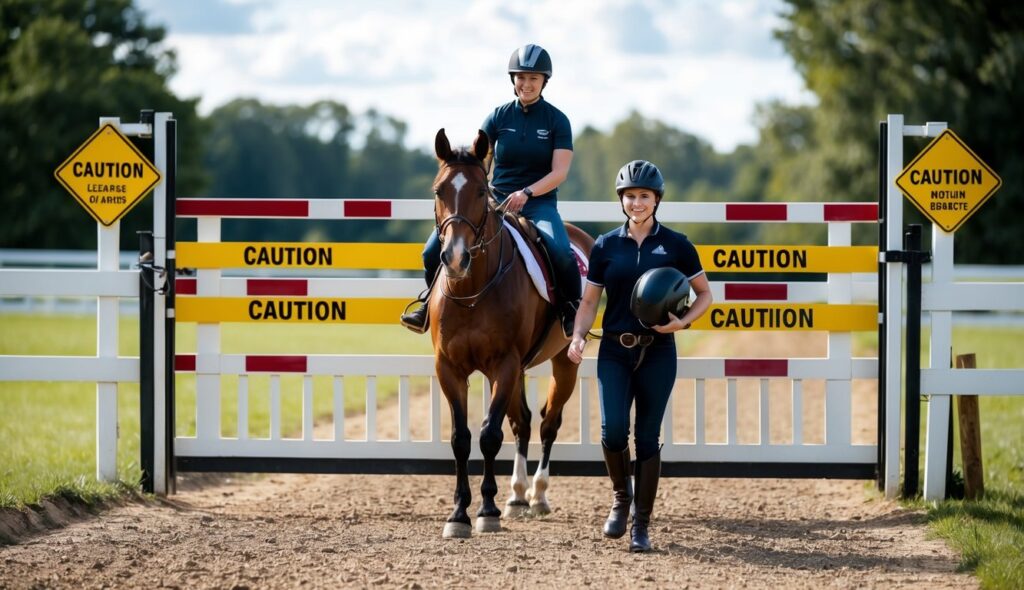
[699, 65]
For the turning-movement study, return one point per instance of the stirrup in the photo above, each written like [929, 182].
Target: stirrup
[417, 320]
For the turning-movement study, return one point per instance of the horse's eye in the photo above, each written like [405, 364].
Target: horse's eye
[437, 192]
[482, 193]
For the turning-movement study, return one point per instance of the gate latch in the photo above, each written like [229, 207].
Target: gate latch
[905, 256]
[146, 263]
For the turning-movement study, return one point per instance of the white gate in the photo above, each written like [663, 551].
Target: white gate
[848, 293]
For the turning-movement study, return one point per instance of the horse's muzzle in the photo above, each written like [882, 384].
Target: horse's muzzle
[456, 268]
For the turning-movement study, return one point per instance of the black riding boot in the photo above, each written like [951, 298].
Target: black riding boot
[647, 474]
[617, 463]
[417, 319]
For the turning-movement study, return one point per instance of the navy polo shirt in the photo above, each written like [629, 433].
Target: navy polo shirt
[616, 264]
[524, 141]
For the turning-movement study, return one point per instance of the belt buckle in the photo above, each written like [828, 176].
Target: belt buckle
[629, 340]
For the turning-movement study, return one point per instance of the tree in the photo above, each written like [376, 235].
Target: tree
[64, 64]
[960, 62]
[257, 150]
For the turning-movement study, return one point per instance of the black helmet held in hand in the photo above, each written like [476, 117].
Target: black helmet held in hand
[640, 174]
[530, 58]
[658, 292]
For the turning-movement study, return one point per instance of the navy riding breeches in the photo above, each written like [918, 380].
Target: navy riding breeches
[621, 382]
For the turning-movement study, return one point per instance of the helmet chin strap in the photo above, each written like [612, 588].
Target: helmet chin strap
[653, 213]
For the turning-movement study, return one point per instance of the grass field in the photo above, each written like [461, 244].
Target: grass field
[48, 449]
[989, 533]
[48, 429]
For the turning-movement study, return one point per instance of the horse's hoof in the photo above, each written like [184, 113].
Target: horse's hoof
[488, 524]
[457, 530]
[540, 508]
[516, 509]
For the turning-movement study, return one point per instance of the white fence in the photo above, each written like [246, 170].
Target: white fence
[837, 456]
[108, 284]
[940, 298]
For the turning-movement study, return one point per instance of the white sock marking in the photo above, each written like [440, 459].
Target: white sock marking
[520, 478]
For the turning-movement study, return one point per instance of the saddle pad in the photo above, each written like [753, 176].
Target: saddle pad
[534, 266]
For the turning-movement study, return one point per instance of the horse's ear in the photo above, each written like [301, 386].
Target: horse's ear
[442, 147]
[482, 148]
[481, 145]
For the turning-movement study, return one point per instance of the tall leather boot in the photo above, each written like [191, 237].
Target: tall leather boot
[417, 320]
[647, 474]
[617, 463]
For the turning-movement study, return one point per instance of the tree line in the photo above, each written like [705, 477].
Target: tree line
[63, 63]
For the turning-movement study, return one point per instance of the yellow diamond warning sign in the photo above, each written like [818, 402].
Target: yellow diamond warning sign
[107, 175]
[948, 182]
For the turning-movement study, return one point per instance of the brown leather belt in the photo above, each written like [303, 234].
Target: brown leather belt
[629, 340]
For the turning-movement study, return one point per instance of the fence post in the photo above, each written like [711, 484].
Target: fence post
[911, 445]
[146, 384]
[970, 436]
[892, 306]
[882, 207]
[107, 321]
[163, 416]
[169, 319]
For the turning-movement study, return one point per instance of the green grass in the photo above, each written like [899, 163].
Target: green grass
[988, 533]
[48, 429]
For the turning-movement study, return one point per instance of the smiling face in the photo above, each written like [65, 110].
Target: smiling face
[528, 86]
[639, 204]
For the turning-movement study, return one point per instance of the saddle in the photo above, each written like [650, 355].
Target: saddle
[538, 249]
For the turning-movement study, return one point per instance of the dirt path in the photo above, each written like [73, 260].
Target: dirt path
[354, 531]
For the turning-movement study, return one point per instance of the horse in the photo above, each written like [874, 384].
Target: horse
[485, 315]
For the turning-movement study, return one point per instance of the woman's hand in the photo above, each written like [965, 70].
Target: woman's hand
[515, 202]
[674, 324]
[576, 349]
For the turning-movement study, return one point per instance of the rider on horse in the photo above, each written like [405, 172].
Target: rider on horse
[531, 142]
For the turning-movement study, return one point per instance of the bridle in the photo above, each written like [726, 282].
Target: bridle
[479, 245]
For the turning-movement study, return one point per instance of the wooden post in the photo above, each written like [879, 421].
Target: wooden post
[970, 436]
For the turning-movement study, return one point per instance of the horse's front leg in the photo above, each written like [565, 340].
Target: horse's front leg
[504, 385]
[519, 417]
[563, 381]
[455, 388]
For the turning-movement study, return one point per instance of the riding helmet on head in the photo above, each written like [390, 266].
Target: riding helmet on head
[658, 292]
[640, 174]
[530, 58]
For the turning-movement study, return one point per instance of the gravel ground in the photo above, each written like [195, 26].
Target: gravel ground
[355, 531]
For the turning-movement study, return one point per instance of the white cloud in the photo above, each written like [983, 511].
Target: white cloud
[700, 65]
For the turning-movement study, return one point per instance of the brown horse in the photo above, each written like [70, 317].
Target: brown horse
[485, 315]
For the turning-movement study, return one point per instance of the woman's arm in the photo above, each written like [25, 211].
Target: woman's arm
[700, 305]
[584, 321]
[561, 160]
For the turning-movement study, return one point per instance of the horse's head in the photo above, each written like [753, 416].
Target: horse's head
[461, 201]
